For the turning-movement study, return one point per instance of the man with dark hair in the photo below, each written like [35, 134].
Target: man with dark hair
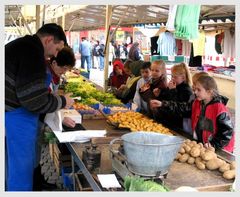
[27, 96]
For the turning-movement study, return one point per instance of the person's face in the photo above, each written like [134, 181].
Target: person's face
[127, 71]
[118, 70]
[156, 71]
[145, 73]
[178, 78]
[52, 47]
[201, 93]
[59, 70]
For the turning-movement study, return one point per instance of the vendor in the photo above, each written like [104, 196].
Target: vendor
[26, 96]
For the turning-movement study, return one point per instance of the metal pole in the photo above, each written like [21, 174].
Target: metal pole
[24, 21]
[16, 25]
[44, 11]
[106, 51]
[37, 17]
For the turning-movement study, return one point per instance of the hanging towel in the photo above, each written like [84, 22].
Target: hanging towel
[186, 21]
[171, 17]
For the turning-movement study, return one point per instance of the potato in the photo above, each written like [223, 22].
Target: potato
[191, 160]
[187, 141]
[200, 165]
[208, 155]
[213, 164]
[182, 150]
[195, 152]
[224, 167]
[197, 146]
[184, 158]
[233, 165]
[193, 143]
[229, 174]
[211, 149]
[178, 156]
[198, 159]
[187, 148]
[201, 145]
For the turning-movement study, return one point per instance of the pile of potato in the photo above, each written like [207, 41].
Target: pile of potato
[192, 152]
[136, 121]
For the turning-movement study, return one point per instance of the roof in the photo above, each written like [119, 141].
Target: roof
[87, 17]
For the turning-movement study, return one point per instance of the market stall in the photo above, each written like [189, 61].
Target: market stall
[102, 155]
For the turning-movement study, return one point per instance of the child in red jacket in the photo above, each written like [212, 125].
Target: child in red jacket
[211, 121]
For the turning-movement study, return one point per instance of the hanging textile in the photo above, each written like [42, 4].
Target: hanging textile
[154, 45]
[199, 44]
[166, 44]
[179, 47]
[186, 48]
[171, 17]
[229, 44]
[218, 43]
[195, 61]
[186, 22]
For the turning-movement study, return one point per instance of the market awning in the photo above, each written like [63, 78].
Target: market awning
[86, 17]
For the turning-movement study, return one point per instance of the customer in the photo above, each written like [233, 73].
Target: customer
[26, 96]
[134, 52]
[85, 50]
[118, 77]
[211, 120]
[142, 106]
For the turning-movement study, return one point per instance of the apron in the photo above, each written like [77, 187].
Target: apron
[21, 135]
[22, 132]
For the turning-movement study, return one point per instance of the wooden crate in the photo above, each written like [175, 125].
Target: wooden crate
[81, 183]
[60, 158]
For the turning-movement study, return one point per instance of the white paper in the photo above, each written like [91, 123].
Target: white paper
[78, 136]
[54, 121]
[108, 180]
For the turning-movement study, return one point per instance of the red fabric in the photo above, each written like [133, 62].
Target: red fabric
[212, 111]
[179, 47]
[220, 37]
[118, 80]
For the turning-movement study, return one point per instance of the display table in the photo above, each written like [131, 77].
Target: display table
[180, 174]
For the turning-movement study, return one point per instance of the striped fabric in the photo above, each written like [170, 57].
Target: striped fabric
[25, 77]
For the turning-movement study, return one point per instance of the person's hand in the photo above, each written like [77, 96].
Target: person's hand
[172, 84]
[144, 87]
[122, 87]
[69, 100]
[69, 122]
[155, 104]
[207, 145]
[156, 92]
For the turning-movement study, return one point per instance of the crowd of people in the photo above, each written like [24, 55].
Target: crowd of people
[92, 53]
[189, 103]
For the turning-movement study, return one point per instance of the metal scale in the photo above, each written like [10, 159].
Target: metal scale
[119, 165]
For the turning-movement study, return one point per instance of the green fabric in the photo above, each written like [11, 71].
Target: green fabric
[135, 67]
[186, 22]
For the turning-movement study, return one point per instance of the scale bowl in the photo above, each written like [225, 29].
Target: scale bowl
[150, 154]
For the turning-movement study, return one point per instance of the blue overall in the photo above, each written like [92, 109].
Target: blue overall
[21, 138]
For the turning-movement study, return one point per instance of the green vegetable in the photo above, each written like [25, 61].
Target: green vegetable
[135, 183]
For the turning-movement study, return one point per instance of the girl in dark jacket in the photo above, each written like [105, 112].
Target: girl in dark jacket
[211, 121]
[179, 89]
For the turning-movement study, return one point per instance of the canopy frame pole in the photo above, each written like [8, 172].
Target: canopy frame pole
[18, 29]
[24, 21]
[106, 51]
[37, 17]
